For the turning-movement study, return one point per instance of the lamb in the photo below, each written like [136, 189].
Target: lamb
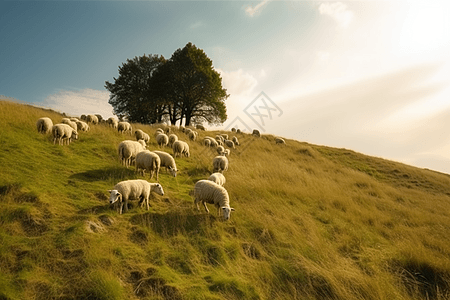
[128, 150]
[206, 191]
[124, 127]
[217, 178]
[113, 122]
[172, 139]
[235, 140]
[256, 133]
[92, 119]
[133, 189]
[63, 132]
[167, 161]
[229, 143]
[70, 123]
[140, 135]
[44, 125]
[180, 148]
[147, 160]
[279, 140]
[220, 164]
[162, 139]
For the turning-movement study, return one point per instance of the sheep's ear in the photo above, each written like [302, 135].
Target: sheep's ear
[109, 191]
[170, 168]
[232, 209]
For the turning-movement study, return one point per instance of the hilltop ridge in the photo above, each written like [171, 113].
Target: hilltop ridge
[311, 222]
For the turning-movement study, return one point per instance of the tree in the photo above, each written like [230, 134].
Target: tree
[133, 95]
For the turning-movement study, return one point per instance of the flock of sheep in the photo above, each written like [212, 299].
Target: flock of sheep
[134, 152]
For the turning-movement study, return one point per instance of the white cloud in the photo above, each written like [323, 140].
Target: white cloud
[238, 83]
[78, 102]
[252, 10]
[338, 11]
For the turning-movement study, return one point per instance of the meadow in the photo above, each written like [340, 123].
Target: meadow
[311, 222]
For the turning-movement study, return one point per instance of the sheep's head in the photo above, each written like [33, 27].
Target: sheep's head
[114, 196]
[157, 188]
[227, 212]
[74, 135]
[173, 171]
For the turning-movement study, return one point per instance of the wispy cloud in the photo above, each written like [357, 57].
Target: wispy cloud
[238, 83]
[252, 10]
[196, 25]
[78, 102]
[338, 11]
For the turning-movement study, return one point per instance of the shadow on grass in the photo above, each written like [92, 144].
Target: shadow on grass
[117, 173]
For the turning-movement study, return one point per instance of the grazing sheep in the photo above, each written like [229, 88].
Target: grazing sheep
[167, 161]
[172, 139]
[140, 135]
[200, 127]
[180, 148]
[235, 141]
[229, 143]
[233, 129]
[82, 126]
[123, 127]
[148, 161]
[193, 135]
[158, 132]
[238, 131]
[217, 178]
[69, 122]
[220, 150]
[226, 152]
[113, 122]
[133, 189]
[99, 118]
[224, 136]
[128, 150]
[213, 143]
[44, 125]
[162, 139]
[83, 117]
[92, 119]
[256, 133]
[220, 164]
[63, 132]
[206, 191]
[279, 140]
[206, 142]
[219, 138]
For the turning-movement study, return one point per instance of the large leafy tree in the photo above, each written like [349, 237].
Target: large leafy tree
[133, 95]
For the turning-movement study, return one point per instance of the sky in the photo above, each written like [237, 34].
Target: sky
[370, 76]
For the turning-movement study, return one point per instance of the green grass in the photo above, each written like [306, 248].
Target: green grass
[311, 222]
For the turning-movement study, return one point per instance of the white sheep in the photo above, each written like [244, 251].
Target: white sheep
[206, 142]
[229, 143]
[193, 135]
[92, 119]
[213, 143]
[148, 161]
[180, 148]
[235, 141]
[140, 135]
[226, 152]
[220, 150]
[279, 140]
[133, 189]
[82, 126]
[113, 122]
[256, 133]
[44, 125]
[99, 118]
[158, 132]
[168, 162]
[220, 164]
[128, 149]
[124, 127]
[69, 122]
[162, 139]
[217, 178]
[206, 191]
[63, 132]
[172, 139]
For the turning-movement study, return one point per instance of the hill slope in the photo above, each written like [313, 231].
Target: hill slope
[311, 222]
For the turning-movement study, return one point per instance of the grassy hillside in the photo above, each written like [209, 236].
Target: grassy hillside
[311, 222]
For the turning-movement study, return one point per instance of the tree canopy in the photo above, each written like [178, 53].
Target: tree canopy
[186, 87]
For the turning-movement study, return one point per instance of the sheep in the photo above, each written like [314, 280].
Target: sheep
[200, 127]
[220, 150]
[238, 130]
[206, 191]
[83, 126]
[206, 142]
[162, 139]
[224, 136]
[99, 118]
[233, 129]
[69, 122]
[279, 140]
[158, 132]
[147, 160]
[217, 178]
[213, 143]
[44, 125]
[112, 122]
[128, 149]
[92, 119]
[63, 132]
[140, 135]
[229, 143]
[256, 133]
[193, 135]
[133, 189]
[219, 138]
[226, 152]
[83, 117]
[180, 148]
[235, 141]
[123, 127]
[167, 161]
[172, 139]
[220, 164]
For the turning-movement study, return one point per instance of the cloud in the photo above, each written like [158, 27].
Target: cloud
[78, 102]
[238, 83]
[252, 10]
[338, 11]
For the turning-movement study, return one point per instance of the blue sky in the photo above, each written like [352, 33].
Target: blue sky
[371, 76]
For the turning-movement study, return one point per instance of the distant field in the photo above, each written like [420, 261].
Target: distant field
[311, 222]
